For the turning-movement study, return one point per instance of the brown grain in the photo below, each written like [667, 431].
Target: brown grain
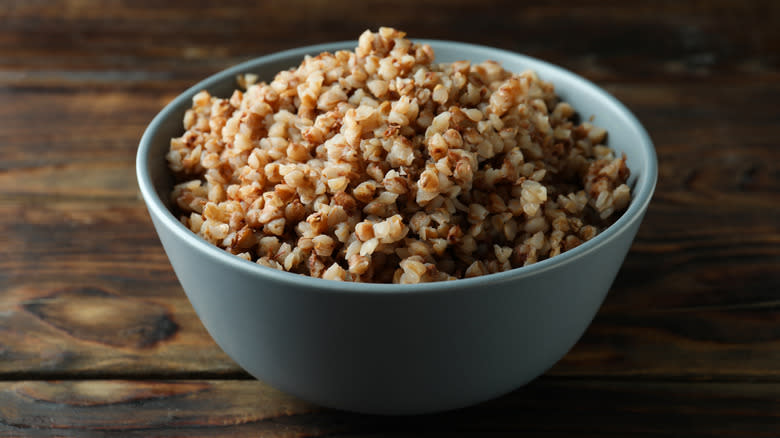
[379, 165]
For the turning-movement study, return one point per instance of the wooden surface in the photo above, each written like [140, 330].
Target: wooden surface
[96, 334]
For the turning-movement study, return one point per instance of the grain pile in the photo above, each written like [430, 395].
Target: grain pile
[379, 165]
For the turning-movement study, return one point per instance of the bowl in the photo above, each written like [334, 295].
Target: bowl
[389, 348]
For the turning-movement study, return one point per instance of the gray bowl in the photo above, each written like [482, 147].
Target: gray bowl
[399, 349]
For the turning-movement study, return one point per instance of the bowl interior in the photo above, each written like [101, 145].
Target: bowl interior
[625, 135]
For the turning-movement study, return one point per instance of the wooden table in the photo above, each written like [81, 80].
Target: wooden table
[96, 334]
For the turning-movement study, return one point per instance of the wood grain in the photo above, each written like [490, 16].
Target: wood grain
[97, 337]
[667, 299]
[98, 332]
[697, 133]
[545, 408]
[52, 136]
[68, 41]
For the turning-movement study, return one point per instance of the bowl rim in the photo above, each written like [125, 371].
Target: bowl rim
[642, 191]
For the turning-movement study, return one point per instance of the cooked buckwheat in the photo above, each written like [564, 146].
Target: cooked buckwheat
[379, 165]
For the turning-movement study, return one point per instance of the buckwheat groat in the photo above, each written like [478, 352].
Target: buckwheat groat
[379, 165]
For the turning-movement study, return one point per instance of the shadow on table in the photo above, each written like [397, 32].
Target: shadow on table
[561, 407]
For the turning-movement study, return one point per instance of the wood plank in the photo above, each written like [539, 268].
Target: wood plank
[90, 291]
[87, 146]
[49, 132]
[89, 330]
[545, 408]
[686, 344]
[106, 181]
[710, 290]
[46, 240]
[94, 331]
[652, 40]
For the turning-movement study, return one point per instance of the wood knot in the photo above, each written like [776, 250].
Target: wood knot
[96, 315]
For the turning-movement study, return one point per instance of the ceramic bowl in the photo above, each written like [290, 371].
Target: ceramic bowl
[399, 349]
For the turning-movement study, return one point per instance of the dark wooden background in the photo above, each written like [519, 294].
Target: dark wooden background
[96, 334]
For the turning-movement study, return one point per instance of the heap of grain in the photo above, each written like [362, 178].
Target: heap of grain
[379, 165]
